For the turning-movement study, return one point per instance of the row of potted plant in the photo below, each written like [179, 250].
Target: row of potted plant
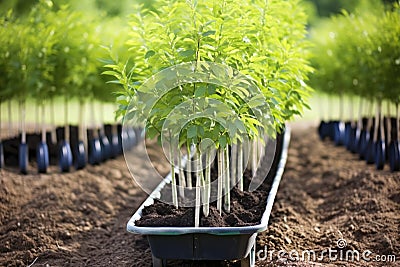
[358, 56]
[55, 53]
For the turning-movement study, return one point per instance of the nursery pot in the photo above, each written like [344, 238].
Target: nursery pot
[115, 146]
[208, 243]
[380, 154]
[95, 155]
[353, 139]
[323, 130]
[394, 155]
[105, 147]
[23, 158]
[347, 135]
[80, 160]
[363, 143]
[339, 133]
[42, 157]
[65, 156]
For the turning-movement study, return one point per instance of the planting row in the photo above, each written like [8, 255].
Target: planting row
[54, 53]
[375, 140]
[358, 57]
[98, 145]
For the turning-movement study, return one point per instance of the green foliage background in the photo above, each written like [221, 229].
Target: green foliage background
[359, 53]
[264, 40]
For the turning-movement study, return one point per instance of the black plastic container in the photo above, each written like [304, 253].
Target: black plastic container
[208, 243]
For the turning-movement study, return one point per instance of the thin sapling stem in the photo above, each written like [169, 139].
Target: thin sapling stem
[199, 179]
[240, 166]
[22, 120]
[207, 185]
[227, 184]
[173, 180]
[389, 124]
[43, 123]
[66, 129]
[382, 132]
[82, 126]
[220, 155]
[377, 120]
[53, 122]
[9, 119]
[234, 164]
[182, 182]
[254, 157]
[246, 146]
[360, 117]
[188, 168]
[397, 121]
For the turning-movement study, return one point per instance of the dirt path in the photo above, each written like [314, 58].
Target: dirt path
[327, 194]
[79, 219]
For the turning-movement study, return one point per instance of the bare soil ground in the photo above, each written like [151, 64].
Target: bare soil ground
[79, 218]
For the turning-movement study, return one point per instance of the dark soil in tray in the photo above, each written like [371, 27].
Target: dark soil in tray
[79, 219]
[247, 208]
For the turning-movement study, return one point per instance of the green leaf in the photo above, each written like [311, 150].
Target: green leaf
[208, 33]
[187, 53]
[192, 131]
[149, 54]
[222, 141]
[200, 91]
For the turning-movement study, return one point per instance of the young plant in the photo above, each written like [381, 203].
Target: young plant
[358, 55]
[213, 76]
